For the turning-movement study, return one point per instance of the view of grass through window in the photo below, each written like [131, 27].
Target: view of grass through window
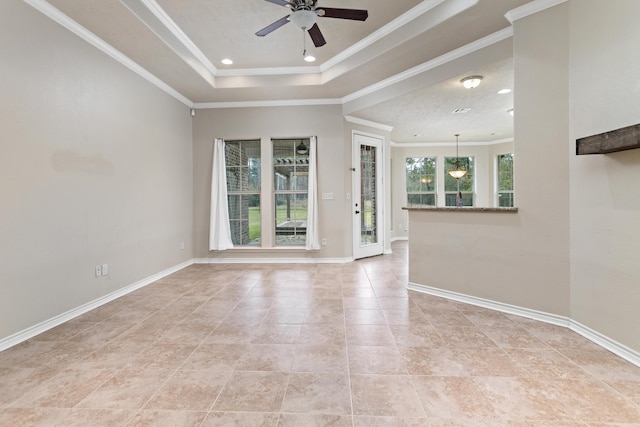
[243, 165]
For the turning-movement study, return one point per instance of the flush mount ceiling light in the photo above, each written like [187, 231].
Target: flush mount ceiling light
[504, 91]
[458, 171]
[471, 81]
[510, 111]
[227, 61]
[310, 58]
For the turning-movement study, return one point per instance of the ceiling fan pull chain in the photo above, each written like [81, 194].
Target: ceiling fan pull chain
[304, 44]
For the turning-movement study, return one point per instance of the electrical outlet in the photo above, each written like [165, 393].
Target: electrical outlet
[105, 269]
[324, 242]
[182, 246]
[98, 270]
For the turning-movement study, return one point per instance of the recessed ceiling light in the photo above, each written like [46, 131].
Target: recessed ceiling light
[227, 61]
[461, 110]
[504, 91]
[309, 58]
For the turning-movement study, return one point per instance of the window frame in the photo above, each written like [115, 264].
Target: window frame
[500, 191]
[434, 162]
[470, 163]
[299, 161]
[242, 194]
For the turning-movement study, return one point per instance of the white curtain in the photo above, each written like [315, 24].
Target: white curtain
[313, 241]
[219, 230]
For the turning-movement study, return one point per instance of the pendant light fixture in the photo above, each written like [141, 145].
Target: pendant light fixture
[458, 172]
[302, 149]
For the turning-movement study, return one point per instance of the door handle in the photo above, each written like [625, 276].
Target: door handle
[357, 212]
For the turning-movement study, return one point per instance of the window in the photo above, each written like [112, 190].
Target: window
[505, 180]
[465, 184]
[243, 191]
[290, 185]
[421, 181]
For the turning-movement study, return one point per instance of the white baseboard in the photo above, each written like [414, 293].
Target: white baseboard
[272, 260]
[32, 331]
[618, 349]
[603, 341]
[395, 239]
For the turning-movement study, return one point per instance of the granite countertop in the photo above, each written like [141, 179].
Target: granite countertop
[463, 209]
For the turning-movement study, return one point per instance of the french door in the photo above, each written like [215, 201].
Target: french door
[367, 196]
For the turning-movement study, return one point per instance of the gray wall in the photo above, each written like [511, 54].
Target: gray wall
[521, 259]
[485, 185]
[325, 122]
[96, 167]
[605, 201]
[572, 249]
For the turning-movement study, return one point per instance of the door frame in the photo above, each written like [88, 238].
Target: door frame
[377, 248]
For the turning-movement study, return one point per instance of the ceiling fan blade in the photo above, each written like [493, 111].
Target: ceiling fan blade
[269, 28]
[354, 14]
[284, 3]
[316, 36]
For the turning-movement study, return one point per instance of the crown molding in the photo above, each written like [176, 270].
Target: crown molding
[274, 103]
[151, 14]
[368, 123]
[450, 144]
[530, 9]
[382, 32]
[429, 65]
[489, 40]
[272, 71]
[54, 14]
[182, 41]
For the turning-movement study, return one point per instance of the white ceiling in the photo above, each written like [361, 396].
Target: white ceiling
[363, 64]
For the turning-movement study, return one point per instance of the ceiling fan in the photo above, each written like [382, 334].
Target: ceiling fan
[304, 15]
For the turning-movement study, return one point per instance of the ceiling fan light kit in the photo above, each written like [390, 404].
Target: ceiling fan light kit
[303, 19]
[305, 14]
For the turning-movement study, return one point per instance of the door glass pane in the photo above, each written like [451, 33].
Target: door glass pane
[368, 208]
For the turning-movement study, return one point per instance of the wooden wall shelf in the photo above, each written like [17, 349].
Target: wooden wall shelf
[622, 139]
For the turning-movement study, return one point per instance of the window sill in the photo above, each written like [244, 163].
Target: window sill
[266, 250]
[466, 209]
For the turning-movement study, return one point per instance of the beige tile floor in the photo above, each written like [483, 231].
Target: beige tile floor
[310, 345]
